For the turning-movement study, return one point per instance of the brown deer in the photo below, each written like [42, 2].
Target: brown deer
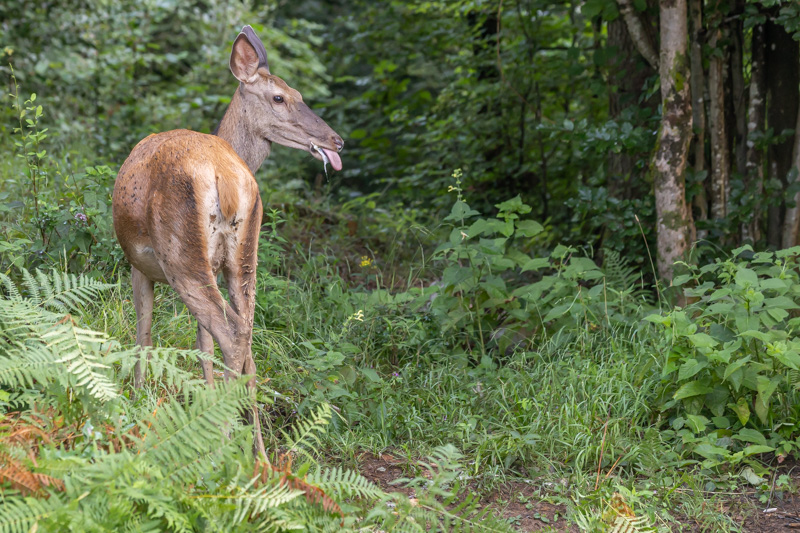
[186, 206]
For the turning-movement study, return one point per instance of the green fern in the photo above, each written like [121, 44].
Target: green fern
[21, 514]
[344, 483]
[175, 458]
[305, 434]
[623, 279]
[631, 524]
[60, 291]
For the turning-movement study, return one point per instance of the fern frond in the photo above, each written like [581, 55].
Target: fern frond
[24, 367]
[71, 292]
[345, 483]
[175, 434]
[631, 524]
[251, 503]
[18, 515]
[266, 472]
[12, 291]
[79, 350]
[34, 295]
[623, 278]
[306, 432]
[166, 366]
[58, 291]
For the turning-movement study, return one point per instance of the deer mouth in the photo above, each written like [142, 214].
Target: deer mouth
[327, 156]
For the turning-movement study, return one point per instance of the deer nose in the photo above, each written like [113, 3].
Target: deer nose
[338, 142]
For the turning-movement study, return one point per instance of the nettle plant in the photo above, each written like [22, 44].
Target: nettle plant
[732, 368]
[63, 215]
[495, 295]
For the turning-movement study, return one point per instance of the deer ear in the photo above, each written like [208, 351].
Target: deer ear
[244, 59]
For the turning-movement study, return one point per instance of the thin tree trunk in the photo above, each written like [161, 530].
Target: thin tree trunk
[720, 157]
[782, 57]
[674, 219]
[754, 168]
[638, 32]
[791, 223]
[739, 93]
[697, 83]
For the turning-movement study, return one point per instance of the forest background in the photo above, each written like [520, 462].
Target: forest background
[560, 258]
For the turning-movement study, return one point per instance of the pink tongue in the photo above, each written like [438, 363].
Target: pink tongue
[333, 157]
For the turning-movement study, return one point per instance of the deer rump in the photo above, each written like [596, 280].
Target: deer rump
[179, 202]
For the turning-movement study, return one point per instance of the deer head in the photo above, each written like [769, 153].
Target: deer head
[272, 111]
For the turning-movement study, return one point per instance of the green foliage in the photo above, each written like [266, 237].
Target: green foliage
[733, 358]
[492, 292]
[175, 457]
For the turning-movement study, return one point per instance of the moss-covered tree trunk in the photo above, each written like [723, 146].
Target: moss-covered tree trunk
[675, 227]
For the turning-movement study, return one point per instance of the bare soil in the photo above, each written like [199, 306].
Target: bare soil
[519, 502]
[514, 501]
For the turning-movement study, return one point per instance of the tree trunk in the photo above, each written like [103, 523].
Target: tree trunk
[674, 219]
[791, 223]
[638, 32]
[754, 168]
[627, 75]
[736, 30]
[697, 84]
[720, 156]
[782, 58]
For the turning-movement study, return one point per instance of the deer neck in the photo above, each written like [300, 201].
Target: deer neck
[236, 129]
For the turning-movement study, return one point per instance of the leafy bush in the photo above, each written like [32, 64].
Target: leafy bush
[493, 293]
[732, 363]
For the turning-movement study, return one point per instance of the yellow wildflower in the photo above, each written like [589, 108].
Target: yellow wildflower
[365, 261]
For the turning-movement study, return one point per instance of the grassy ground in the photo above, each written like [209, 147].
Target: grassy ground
[553, 436]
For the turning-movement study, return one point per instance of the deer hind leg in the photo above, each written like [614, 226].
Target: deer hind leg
[143, 301]
[240, 275]
[205, 343]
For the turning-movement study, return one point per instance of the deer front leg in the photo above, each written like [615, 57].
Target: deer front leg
[143, 302]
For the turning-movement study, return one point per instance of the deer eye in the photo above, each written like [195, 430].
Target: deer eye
[277, 99]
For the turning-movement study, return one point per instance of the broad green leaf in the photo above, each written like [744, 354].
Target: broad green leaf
[690, 368]
[693, 388]
[757, 449]
[736, 365]
[371, 375]
[536, 263]
[755, 334]
[529, 228]
[750, 435]
[455, 275]
[751, 477]
[789, 358]
[460, 211]
[515, 205]
[703, 340]
[742, 410]
[697, 423]
[556, 312]
[709, 451]
[746, 278]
